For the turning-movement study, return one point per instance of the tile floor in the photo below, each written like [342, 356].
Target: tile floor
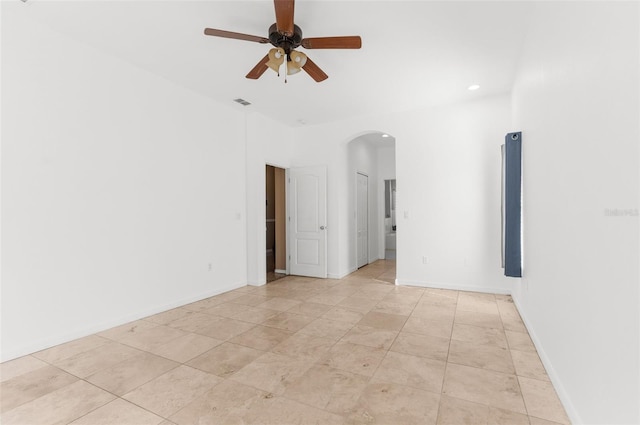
[297, 351]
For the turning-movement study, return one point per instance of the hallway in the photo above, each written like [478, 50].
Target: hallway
[359, 350]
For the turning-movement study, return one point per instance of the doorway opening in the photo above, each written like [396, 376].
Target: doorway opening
[390, 219]
[371, 159]
[362, 220]
[276, 224]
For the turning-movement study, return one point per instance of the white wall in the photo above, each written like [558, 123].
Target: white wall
[576, 101]
[448, 173]
[118, 190]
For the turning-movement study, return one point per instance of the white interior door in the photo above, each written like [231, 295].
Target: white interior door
[362, 218]
[308, 221]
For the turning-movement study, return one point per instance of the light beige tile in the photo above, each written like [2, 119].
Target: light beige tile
[31, 385]
[529, 365]
[289, 321]
[511, 319]
[226, 403]
[281, 411]
[63, 351]
[482, 356]
[406, 298]
[342, 314]
[126, 330]
[385, 403]
[19, 366]
[249, 299]
[438, 299]
[195, 322]
[483, 386]
[479, 336]
[256, 315]
[203, 304]
[131, 373]
[186, 347]
[353, 358]
[358, 303]
[59, 407]
[375, 293]
[225, 359]
[149, 339]
[542, 401]
[454, 411]
[393, 308]
[424, 326]
[432, 347]
[172, 391]
[89, 362]
[412, 371]
[478, 302]
[506, 417]
[262, 337]
[169, 316]
[390, 322]
[326, 328]
[328, 388]
[478, 319]
[537, 421]
[371, 337]
[310, 309]
[225, 329]
[440, 313]
[520, 341]
[119, 412]
[328, 299]
[228, 309]
[304, 346]
[272, 372]
[279, 303]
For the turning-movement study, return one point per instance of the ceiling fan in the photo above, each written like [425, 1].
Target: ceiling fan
[285, 37]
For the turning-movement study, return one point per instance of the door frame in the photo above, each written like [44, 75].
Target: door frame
[362, 173]
[286, 207]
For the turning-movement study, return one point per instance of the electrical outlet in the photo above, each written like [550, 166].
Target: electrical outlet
[209, 266]
[424, 260]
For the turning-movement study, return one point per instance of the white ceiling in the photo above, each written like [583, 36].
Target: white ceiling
[414, 53]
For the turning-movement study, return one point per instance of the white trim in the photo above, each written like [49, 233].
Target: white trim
[280, 271]
[341, 275]
[93, 329]
[574, 417]
[455, 287]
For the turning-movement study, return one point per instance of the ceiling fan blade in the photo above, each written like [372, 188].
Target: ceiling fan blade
[348, 42]
[235, 35]
[314, 71]
[284, 16]
[259, 69]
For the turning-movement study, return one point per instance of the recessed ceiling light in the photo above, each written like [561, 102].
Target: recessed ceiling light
[385, 135]
[473, 87]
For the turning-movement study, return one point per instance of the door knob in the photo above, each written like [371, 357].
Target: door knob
[322, 227]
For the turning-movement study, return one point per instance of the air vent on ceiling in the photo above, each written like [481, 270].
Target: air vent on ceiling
[242, 102]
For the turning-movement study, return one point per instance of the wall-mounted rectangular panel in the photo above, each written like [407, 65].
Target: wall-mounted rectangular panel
[512, 208]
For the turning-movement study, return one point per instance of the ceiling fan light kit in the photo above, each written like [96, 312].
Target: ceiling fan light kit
[285, 37]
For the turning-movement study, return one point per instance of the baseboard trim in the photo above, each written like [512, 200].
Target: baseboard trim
[280, 271]
[455, 287]
[90, 330]
[574, 417]
[341, 275]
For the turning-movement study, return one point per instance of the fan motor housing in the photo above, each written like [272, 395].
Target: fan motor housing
[287, 43]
